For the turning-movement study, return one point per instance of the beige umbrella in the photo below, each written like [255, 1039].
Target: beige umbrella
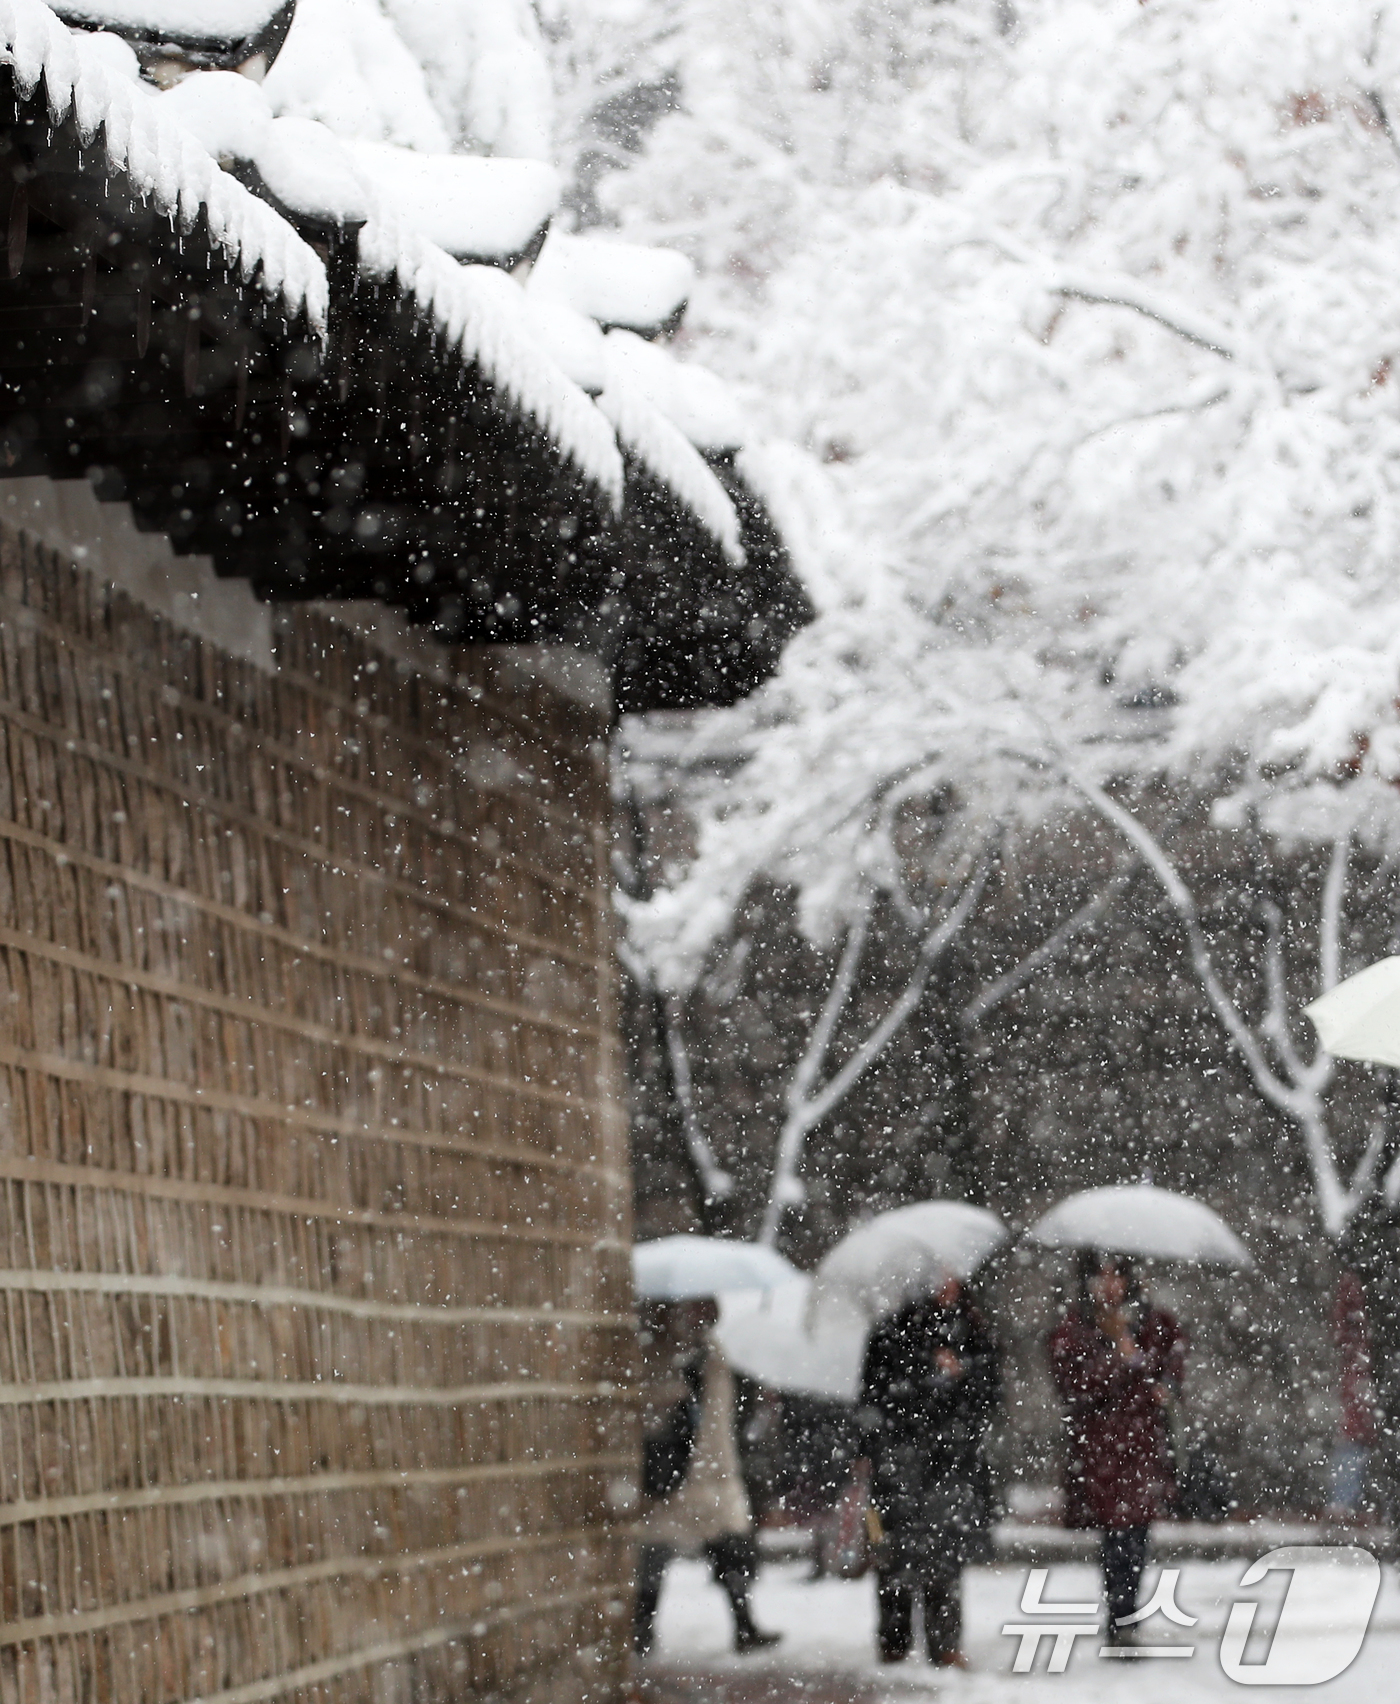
[1360, 1018]
[684, 1267]
[771, 1337]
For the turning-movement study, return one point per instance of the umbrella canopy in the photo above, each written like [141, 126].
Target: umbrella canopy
[1360, 1018]
[674, 1269]
[769, 1338]
[1140, 1220]
[903, 1254]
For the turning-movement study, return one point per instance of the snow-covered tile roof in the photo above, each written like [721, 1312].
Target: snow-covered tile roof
[345, 63]
[303, 165]
[485, 205]
[574, 342]
[159, 156]
[690, 396]
[179, 20]
[420, 213]
[481, 312]
[192, 32]
[474, 207]
[614, 283]
[663, 451]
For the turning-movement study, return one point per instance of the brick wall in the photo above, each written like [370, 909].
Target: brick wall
[313, 1192]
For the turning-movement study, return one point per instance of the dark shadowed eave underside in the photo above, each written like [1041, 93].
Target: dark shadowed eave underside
[382, 461]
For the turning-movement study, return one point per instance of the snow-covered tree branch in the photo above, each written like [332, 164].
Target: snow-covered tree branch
[809, 1099]
[1291, 1084]
[1012, 981]
[1104, 476]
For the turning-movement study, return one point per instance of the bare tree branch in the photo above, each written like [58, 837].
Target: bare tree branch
[717, 1182]
[714, 1180]
[1378, 106]
[1301, 1098]
[1011, 981]
[1363, 1178]
[1118, 290]
[809, 1067]
[1274, 1024]
[889, 1026]
[808, 1105]
[1122, 294]
[1333, 894]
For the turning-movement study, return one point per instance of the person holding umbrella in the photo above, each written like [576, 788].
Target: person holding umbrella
[1118, 1362]
[694, 1497]
[929, 1387]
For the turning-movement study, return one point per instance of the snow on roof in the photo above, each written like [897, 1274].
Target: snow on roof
[481, 312]
[662, 450]
[690, 396]
[614, 283]
[159, 155]
[309, 171]
[302, 164]
[487, 72]
[475, 208]
[178, 20]
[574, 342]
[225, 111]
[343, 62]
[116, 54]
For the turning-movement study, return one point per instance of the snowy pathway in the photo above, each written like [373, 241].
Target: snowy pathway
[827, 1649]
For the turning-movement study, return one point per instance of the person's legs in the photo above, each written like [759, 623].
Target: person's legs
[1124, 1557]
[943, 1612]
[895, 1603]
[651, 1569]
[734, 1559]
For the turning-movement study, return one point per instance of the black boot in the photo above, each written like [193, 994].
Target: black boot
[735, 1562]
[651, 1569]
[747, 1637]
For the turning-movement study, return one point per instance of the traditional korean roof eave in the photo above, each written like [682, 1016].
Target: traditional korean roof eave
[466, 308]
[418, 482]
[659, 454]
[354, 416]
[708, 635]
[160, 318]
[154, 28]
[45, 75]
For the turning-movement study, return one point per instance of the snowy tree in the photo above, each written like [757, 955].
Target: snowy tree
[1087, 320]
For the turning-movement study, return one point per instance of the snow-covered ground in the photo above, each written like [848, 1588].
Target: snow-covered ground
[829, 1626]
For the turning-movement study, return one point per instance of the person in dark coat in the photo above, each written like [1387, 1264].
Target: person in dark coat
[928, 1391]
[1118, 1362]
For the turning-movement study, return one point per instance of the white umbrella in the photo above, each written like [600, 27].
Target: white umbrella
[1360, 1018]
[769, 1338]
[674, 1269]
[903, 1254]
[1140, 1220]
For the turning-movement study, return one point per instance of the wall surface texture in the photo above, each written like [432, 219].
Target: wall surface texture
[314, 1305]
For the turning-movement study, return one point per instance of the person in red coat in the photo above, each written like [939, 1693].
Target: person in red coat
[1118, 1362]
